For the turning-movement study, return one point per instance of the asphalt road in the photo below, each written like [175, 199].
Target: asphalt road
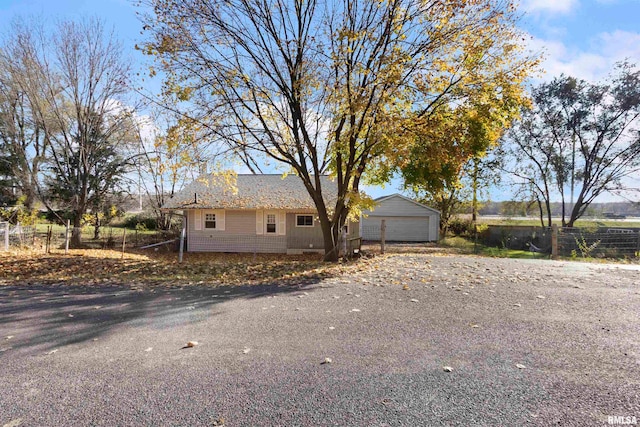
[115, 356]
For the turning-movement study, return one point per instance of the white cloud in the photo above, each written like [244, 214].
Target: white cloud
[591, 63]
[550, 6]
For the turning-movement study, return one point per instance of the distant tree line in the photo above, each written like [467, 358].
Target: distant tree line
[530, 209]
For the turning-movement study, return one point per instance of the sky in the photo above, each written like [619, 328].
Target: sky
[577, 37]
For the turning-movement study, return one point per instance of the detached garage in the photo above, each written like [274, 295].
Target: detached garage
[406, 220]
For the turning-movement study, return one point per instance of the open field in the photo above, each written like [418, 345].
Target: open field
[529, 342]
[586, 222]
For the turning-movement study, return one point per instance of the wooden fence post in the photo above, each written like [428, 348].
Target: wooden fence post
[554, 241]
[383, 228]
[48, 245]
[124, 241]
[66, 237]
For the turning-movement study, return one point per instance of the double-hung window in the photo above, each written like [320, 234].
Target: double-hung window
[271, 223]
[210, 221]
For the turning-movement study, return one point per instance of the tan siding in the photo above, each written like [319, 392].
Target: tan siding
[239, 235]
[241, 222]
[303, 237]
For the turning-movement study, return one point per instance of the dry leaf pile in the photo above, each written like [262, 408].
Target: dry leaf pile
[99, 267]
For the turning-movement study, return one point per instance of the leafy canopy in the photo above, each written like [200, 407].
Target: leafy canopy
[345, 87]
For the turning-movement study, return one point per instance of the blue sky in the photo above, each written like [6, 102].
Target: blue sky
[579, 38]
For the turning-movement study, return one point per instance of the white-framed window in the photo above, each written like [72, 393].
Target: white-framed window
[209, 221]
[271, 223]
[304, 220]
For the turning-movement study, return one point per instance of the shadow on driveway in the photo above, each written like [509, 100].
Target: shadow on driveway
[52, 316]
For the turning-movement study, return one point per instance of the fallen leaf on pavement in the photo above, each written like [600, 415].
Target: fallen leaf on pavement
[13, 423]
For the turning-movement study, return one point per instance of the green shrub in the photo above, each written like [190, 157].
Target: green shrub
[140, 222]
[461, 227]
[19, 214]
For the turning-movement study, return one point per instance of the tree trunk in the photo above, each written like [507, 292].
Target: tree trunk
[76, 234]
[96, 229]
[330, 242]
[30, 198]
[541, 211]
[548, 206]
[575, 212]
[474, 203]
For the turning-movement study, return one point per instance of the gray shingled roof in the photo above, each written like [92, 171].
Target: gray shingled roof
[250, 192]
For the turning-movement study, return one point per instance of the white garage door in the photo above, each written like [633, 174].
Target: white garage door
[399, 229]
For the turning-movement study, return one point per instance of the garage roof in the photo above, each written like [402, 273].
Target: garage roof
[381, 200]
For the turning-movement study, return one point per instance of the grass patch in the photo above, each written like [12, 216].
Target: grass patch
[512, 253]
[466, 246]
[456, 242]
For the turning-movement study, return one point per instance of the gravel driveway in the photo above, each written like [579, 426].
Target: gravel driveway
[529, 342]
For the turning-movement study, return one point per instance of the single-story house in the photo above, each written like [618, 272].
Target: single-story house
[253, 213]
[405, 220]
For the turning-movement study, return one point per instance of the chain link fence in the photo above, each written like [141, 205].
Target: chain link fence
[571, 242]
[527, 238]
[610, 243]
[54, 237]
[16, 235]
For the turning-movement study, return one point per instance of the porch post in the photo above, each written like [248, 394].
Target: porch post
[182, 236]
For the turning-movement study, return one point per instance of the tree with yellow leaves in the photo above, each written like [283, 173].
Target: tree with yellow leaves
[344, 87]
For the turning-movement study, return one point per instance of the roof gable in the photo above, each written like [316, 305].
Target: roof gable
[388, 200]
[250, 192]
